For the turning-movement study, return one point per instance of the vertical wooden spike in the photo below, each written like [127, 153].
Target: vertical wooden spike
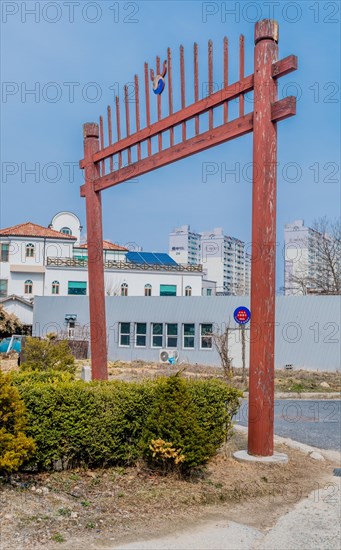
[101, 137]
[183, 88]
[210, 80]
[241, 72]
[226, 76]
[110, 136]
[146, 85]
[159, 113]
[126, 103]
[170, 92]
[118, 127]
[137, 112]
[196, 86]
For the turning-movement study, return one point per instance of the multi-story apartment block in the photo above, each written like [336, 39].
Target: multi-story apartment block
[223, 258]
[303, 259]
[185, 246]
[247, 274]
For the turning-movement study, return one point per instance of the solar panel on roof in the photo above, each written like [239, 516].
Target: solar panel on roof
[151, 258]
[166, 260]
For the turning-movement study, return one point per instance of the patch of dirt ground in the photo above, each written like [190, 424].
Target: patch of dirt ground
[299, 381]
[79, 509]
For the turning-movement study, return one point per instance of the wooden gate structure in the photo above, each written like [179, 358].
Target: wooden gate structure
[104, 166]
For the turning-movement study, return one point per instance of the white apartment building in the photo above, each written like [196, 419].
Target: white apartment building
[185, 245]
[52, 261]
[302, 259]
[223, 258]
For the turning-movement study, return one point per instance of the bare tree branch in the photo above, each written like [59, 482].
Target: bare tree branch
[221, 342]
[320, 271]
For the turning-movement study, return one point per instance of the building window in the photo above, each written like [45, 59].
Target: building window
[172, 335]
[148, 290]
[209, 292]
[28, 287]
[124, 289]
[4, 252]
[206, 339]
[124, 336]
[188, 291]
[55, 287]
[188, 335]
[140, 335]
[66, 230]
[3, 288]
[157, 335]
[167, 290]
[77, 288]
[30, 250]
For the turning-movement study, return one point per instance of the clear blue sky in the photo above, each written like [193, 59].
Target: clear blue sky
[59, 44]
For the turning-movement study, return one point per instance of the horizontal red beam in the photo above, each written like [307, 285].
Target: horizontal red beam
[284, 66]
[236, 128]
[225, 132]
[286, 107]
[232, 91]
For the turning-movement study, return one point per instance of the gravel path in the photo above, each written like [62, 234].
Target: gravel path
[313, 523]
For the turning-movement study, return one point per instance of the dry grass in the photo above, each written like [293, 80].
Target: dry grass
[285, 381]
[300, 381]
[121, 503]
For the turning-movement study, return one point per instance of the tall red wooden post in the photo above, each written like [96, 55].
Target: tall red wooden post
[95, 255]
[261, 396]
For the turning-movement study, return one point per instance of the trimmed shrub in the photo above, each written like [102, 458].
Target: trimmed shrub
[105, 423]
[216, 404]
[174, 421]
[15, 446]
[94, 424]
[48, 355]
[20, 378]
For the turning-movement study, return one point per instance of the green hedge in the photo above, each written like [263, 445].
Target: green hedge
[105, 423]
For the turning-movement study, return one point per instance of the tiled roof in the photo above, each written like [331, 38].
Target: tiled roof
[30, 229]
[107, 245]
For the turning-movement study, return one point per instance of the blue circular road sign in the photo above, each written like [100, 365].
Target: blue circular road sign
[242, 315]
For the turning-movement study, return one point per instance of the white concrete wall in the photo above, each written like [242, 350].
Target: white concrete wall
[16, 284]
[214, 268]
[136, 281]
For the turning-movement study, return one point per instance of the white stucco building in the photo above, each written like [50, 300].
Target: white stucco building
[52, 261]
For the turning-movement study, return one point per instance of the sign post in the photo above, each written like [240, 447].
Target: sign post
[242, 316]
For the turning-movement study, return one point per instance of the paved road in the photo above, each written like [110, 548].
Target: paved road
[313, 422]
